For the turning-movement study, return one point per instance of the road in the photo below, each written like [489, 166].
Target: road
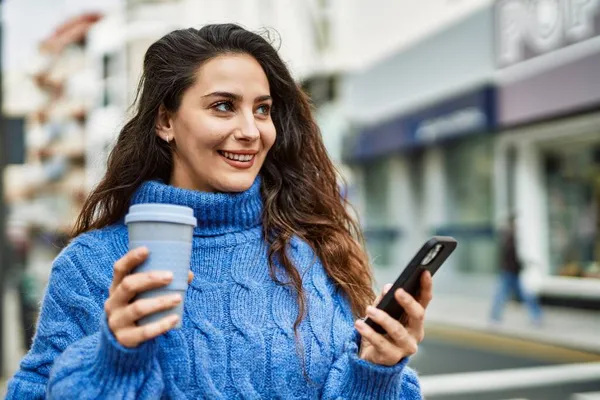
[452, 351]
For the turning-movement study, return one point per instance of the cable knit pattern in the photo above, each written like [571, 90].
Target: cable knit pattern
[237, 339]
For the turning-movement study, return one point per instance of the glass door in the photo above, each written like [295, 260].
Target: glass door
[573, 190]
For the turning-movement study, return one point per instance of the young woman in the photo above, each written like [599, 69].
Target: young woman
[278, 277]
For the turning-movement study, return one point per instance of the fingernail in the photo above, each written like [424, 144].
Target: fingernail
[401, 293]
[176, 298]
[359, 324]
[371, 311]
[165, 275]
[142, 251]
[173, 319]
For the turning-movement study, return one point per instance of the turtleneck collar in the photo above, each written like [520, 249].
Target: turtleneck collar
[216, 213]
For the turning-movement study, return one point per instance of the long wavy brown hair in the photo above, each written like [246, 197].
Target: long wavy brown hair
[300, 187]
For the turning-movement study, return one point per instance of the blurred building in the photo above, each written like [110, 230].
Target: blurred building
[45, 189]
[496, 114]
[44, 181]
[548, 157]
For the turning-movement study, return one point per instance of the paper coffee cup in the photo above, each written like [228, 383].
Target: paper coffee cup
[167, 231]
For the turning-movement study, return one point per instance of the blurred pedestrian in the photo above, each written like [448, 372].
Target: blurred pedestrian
[19, 238]
[278, 277]
[510, 282]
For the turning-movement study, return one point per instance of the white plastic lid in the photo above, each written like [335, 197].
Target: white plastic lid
[156, 212]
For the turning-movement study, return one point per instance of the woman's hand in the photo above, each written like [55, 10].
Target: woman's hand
[399, 341]
[122, 314]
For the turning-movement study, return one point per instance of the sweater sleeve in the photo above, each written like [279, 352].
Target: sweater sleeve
[353, 378]
[74, 354]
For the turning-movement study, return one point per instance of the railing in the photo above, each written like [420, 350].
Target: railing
[474, 383]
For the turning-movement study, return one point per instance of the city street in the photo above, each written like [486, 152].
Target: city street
[453, 358]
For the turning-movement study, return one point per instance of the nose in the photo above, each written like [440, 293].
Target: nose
[247, 131]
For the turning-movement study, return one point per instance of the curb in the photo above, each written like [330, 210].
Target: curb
[439, 328]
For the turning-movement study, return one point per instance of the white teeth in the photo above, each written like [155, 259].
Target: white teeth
[238, 157]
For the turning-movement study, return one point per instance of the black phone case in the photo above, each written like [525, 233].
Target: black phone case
[410, 278]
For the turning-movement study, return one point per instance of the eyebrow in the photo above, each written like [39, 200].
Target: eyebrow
[236, 97]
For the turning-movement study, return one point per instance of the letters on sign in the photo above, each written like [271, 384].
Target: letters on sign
[528, 28]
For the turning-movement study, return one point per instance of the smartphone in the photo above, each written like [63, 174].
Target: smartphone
[429, 258]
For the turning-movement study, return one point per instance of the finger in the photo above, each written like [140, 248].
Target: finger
[127, 316]
[125, 264]
[394, 329]
[426, 289]
[414, 311]
[132, 337]
[190, 277]
[378, 341]
[136, 283]
[386, 288]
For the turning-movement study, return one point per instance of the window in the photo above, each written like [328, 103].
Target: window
[468, 166]
[573, 190]
[379, 235]
[322, 15]
[469, 206]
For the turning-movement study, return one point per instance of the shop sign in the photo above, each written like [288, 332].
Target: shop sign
[529, 28]
[470, 113]
[467, 114]
[460, 121]
[568, 88]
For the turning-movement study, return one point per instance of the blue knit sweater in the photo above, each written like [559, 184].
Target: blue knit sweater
[237, 338]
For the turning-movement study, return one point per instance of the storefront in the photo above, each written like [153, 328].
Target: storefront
[430, 173]
[549, 174]
[547, 158]
[422, 118]
[572, 179]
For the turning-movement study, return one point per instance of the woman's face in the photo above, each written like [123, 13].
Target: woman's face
[223, 129]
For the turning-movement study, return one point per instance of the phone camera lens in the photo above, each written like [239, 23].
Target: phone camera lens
[431, 254]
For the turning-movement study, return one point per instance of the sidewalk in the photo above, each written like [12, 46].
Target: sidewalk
[570, 328]
[464, 301]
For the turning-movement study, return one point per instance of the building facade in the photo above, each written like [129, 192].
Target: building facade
[493, 116]
[421, 151]
[547, 157]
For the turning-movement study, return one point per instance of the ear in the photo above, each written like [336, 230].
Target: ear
[164, 126]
